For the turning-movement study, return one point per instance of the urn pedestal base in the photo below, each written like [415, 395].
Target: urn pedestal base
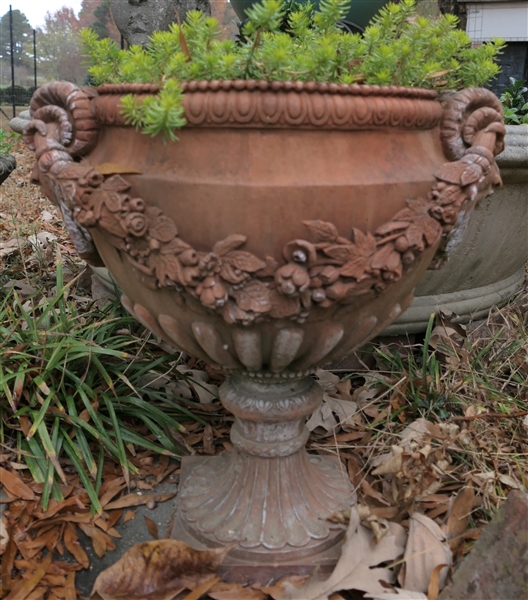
[267, 496]
[268, 568]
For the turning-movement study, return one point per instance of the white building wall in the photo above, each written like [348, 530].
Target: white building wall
[506, 20]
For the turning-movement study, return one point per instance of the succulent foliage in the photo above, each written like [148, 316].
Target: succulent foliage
[514, 101]
[292, 42]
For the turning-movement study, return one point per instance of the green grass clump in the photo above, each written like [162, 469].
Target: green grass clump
[74, 388]
[292, 42]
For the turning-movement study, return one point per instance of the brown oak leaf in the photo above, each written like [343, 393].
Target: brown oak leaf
[365, 243]
[359, 255]
[152, 213]
[341, 253]
[231, 242]
[322, 231]
[415, 237]
[254, 296]
[155, 570]
[355, 268]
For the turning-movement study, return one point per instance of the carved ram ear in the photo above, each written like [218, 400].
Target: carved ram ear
[472, 134]
[64, 102]
[65, 182]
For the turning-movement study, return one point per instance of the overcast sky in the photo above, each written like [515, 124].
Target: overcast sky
[36, 9]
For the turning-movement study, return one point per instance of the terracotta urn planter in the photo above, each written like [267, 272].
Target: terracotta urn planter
[488, 267]
[288, 226]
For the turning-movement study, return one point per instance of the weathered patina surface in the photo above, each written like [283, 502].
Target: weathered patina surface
[288, 226]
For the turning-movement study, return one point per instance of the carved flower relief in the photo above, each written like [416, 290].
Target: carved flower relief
[322, 270]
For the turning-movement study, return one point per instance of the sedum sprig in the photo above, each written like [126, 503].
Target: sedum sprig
[284, 40]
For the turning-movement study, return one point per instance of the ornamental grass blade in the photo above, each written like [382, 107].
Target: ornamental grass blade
[121, 453]
[56, 443]
[73, 454]
[158, 570]
[51, 452]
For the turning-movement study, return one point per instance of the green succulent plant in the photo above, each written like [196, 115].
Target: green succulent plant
[514, 101]
[398, 48]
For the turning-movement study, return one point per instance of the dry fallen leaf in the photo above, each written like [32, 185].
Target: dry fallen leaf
[277, 590]
[25, 586]
[436, 581]
[157, 570]
[398, 594]
[426, 548]
[11, 246]
[152, 528]
[71, 541]
[15, 485]
[393, 465]
[343, 408]
[458, 516]
[4, 535]
[357, 567]
[198, 380]
[199, 591]
[510, 481]
[137, 500]
[234, 591]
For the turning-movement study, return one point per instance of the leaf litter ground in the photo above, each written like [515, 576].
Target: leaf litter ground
[433, 435]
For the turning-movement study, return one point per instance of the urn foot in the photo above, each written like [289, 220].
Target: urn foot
[268, 495]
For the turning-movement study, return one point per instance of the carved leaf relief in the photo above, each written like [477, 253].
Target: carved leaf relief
[322, 231]
[323, 270]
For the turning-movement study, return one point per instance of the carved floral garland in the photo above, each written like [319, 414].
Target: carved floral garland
[322, 270]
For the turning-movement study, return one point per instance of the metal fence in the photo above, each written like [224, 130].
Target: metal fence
[16, 95]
